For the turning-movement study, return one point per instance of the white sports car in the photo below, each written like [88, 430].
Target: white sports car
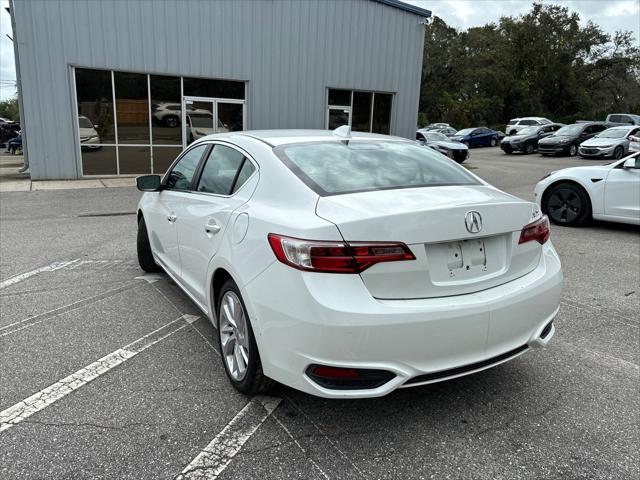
[573, 196]
[348, 265]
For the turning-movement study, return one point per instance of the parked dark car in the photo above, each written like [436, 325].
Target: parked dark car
[477, 137]
[456, 151]
[8, 130]
[526, 140]
[567, 140]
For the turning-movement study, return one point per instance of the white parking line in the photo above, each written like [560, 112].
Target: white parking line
[215, 457]
[50, 314]
[23, 276]
[42, 399]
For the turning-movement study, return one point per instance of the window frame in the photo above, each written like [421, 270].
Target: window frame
[116, 144]
[196, 172]
[204, 159]
[350, 106]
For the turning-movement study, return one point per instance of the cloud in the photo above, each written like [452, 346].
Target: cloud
[612, 15]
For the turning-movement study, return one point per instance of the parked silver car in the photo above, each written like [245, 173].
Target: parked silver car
[612, 142]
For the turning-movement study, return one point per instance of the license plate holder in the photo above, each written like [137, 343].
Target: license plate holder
[466, 255]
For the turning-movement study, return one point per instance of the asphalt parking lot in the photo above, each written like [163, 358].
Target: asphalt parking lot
[138, 389]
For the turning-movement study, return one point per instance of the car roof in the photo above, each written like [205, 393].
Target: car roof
[275, 138]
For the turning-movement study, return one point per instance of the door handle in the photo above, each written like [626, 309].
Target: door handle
[172, 217]
[212, 228]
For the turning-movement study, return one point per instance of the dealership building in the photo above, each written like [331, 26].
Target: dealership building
[117, 88]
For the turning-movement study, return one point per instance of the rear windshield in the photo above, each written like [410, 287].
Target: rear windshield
[333, 168]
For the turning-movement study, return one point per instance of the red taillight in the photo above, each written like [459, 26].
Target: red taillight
[538, 231]
[335, 256]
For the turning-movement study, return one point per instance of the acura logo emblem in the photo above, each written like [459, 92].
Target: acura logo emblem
[473, 222]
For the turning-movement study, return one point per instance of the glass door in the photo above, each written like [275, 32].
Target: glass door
[198, 118]
[206, 116]
[230, 115]
[338, 116]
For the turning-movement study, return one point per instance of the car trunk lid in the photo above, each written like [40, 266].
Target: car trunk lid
[450, 260]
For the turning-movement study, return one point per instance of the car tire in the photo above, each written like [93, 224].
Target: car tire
[573, 150]
[171, 121]
[145, 256]
[507, 149]
[494, 142]
[567, 204]
[252, 379]
[618, 152]
[528, 148]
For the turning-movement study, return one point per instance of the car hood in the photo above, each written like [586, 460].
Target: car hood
[556, 139]
[517, 138]
[602, 142]
[449, 145]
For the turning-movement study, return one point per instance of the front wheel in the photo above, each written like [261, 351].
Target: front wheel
[528, 148]
[567, 204]
[494, 142]
[618, 153]
[237, 343]
[573, 150]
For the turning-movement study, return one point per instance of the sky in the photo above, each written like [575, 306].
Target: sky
[611, 15]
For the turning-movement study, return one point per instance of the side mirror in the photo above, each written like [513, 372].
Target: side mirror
[148, 183]
[631, 163]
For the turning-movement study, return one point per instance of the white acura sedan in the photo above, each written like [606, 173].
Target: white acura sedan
[573, 196]
[348, 265]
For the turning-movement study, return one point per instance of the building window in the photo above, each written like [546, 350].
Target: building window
[363, 111]
[131, 123]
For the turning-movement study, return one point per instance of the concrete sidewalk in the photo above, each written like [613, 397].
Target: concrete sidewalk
[13, 181]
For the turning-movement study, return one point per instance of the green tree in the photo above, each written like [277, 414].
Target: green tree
[541, 63]
[9, 109]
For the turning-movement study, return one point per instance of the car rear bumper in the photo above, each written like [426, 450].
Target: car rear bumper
[303, 318]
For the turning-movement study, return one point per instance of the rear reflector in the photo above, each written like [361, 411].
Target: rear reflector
[538, 231]
[335, 256]
[347, 378]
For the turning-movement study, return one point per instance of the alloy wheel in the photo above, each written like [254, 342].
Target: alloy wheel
[573, 150]
[234, 335]
[564, 206]
[618, 153]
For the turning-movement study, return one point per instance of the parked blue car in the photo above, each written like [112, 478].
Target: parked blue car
[478, 137]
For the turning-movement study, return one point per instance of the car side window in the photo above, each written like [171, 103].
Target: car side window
[599, 128]
[220, 171]
[182, 173]
[245, 172]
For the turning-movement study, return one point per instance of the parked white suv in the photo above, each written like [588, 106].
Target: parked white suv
[517, 124]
